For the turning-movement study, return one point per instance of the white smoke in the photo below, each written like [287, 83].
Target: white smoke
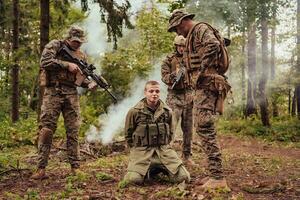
[113, 122]
[96, 31]
[115, 118]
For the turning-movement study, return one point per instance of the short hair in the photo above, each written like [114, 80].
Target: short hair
[151, 82]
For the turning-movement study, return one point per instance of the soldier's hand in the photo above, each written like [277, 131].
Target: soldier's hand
[92, 86]
[73, 68]
[173, 75]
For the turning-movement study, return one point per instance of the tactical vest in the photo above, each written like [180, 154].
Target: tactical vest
[150, 133]
[212, 77]
[63, 76]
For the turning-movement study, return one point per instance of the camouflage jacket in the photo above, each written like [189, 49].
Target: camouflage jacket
[202, 50]
[56, 69]
[140, 120]
[140, 156]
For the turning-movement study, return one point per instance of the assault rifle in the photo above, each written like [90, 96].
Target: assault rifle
[86, 69]
[179, 75]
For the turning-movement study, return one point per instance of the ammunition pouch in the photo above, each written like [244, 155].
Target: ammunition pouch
[43, 78]
[195, 61]
[63, 77]
[151, 135]
[217, 84]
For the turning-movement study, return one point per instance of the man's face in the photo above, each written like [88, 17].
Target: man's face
[180, 49]
[152, 93]
[75, 44]
[182, 28]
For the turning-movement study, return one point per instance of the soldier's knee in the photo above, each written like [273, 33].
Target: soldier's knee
[133, 178]
[182, 175]
[45, 136]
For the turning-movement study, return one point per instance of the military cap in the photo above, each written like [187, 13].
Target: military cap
[76, 34]
[176, 18]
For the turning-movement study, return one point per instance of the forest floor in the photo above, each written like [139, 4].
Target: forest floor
[255, 169]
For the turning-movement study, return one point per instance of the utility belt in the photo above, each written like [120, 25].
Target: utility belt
[151, 135]
[59, 83]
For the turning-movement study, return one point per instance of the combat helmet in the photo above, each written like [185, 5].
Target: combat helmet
[179, 40]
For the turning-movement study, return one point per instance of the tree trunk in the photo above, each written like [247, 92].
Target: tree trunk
[250, 107]
[273, 52]
[297, 89]
[275, 111]
[243, 66]
[297, 93]
[293, 112]
[290, 98]
[44, 39]
[15, 67]
[262, 98]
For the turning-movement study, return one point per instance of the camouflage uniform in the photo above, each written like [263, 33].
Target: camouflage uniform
[179, 99]
[148, 133]
[202, 50]
[60, 96]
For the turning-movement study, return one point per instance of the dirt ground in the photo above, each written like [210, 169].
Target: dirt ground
[254, 170]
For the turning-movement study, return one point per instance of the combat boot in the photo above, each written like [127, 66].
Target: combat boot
[39, 174]
[212, 183]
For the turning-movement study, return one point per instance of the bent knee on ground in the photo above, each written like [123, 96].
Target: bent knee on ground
[133, 178]
[181, 175]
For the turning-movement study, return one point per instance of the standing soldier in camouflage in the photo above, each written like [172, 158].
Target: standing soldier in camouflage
[203, 48]
[180, 96]
[60, 79]
[148, 132]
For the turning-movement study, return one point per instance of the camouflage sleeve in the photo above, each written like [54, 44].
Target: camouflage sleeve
[130, 126]
[49, 59]
[211, 45]
[166, 74]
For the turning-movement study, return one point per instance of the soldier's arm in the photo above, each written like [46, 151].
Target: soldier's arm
[130, 126]
[49, 59]
[211, 46]
[166, 75]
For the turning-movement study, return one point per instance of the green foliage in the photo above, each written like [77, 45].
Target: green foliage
[172, 192]
[21, 133]
[122, 66]
[12, 196]
[283, 129]
[123, 184]
[103, 176]
[32, 194]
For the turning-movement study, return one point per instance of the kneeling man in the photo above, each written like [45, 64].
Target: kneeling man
[148, 132]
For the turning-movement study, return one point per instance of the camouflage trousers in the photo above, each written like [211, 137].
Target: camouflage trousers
[204, 122]
[53, 104]
[182, 107]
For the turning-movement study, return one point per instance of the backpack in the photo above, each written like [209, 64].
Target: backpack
[223, 60]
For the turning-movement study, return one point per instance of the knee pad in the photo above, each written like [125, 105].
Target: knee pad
[45, 136]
